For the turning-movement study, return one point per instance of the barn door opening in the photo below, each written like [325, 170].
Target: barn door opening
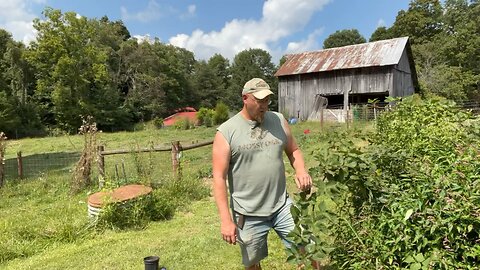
[319, 105]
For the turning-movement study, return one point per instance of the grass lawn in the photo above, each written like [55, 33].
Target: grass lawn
[191, 240]
[45, 227]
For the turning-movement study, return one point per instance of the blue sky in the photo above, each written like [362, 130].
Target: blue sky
[227, 27]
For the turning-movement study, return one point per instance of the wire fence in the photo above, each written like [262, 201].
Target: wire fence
[159, 165]
[35, 165]
[117, 165]
[366, 112]
[156, 163]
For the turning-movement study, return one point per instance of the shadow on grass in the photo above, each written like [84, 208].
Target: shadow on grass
[36, 164]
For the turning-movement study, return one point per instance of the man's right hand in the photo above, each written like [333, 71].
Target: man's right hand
[229, 232]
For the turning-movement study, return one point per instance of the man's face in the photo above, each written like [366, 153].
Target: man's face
[256, 108]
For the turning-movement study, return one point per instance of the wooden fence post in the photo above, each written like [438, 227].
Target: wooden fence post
[3, 139]
[19, 164]
[347, 117]
[176, 149]
[321, 118]
[101, 166]
[2, 169]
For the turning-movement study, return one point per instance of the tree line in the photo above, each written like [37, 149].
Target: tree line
[80, 66]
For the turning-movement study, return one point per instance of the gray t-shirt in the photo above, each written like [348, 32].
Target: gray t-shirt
[256, 174]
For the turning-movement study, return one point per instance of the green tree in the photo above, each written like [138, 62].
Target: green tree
[282, 60]
[119, 29]
[246, 65]
[343, 38]
[426, 58]
[451, 82]
[18, 72]
[72, 72]
[461, 23]
[18, 112]
[20, 76]
[421, 22]
[5, 40]
[206, 85]
[221, 69]
[381, 33]
[211, 80]
[141, 81]
[176, 66]
[156, 78]
[9, 119]
[446, 45]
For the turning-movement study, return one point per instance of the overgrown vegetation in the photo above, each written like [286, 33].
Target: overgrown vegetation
[404, 196]
[205, 117]
[210, 117]
[82, 175]
[159, 205]
[41, 213]
[158, 122]
[221, 113]
[183, 124]
[390, 197]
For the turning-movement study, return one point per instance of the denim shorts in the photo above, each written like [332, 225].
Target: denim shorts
[252, 238]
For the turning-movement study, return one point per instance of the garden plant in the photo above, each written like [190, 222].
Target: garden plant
[405, 195]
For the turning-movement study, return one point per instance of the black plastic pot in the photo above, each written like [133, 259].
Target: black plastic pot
[151, 262]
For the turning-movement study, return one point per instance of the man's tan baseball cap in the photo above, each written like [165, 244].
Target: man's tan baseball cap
[258, 88]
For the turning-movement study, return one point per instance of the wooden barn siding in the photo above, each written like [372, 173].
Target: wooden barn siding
[402, 78]
[296, 93]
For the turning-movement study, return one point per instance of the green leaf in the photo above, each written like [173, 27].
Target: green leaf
[408, 214]
[416, 266]
[419, 257]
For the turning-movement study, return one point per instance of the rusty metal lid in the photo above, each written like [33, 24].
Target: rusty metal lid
[123, 193]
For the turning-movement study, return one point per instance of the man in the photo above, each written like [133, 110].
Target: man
[248, 151]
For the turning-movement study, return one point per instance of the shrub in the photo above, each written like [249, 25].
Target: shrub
[183, 124]
[205, 117]
[167, 196]
[138, 212]
[158, 122]
[221, 113]
[139, 126]
[422, 127]
[406, 200]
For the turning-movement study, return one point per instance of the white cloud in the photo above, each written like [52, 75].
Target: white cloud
[381, 22]
[280, 18]
[152, 12]
[191, 9]
[17, 18]
[144, 38]
[309, 44]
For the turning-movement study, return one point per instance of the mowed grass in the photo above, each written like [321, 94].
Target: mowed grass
[45, 227]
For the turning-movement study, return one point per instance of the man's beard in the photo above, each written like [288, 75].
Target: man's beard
[260, 118]
[256, 115]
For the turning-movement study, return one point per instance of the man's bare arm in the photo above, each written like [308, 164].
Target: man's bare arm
[294, 154]
[220, 163]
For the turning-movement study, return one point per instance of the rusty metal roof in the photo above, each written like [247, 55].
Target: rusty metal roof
[378, 53]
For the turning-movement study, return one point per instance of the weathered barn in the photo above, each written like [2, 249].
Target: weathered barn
[346, 75]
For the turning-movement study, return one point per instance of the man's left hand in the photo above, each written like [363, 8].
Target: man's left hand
[303, 181]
